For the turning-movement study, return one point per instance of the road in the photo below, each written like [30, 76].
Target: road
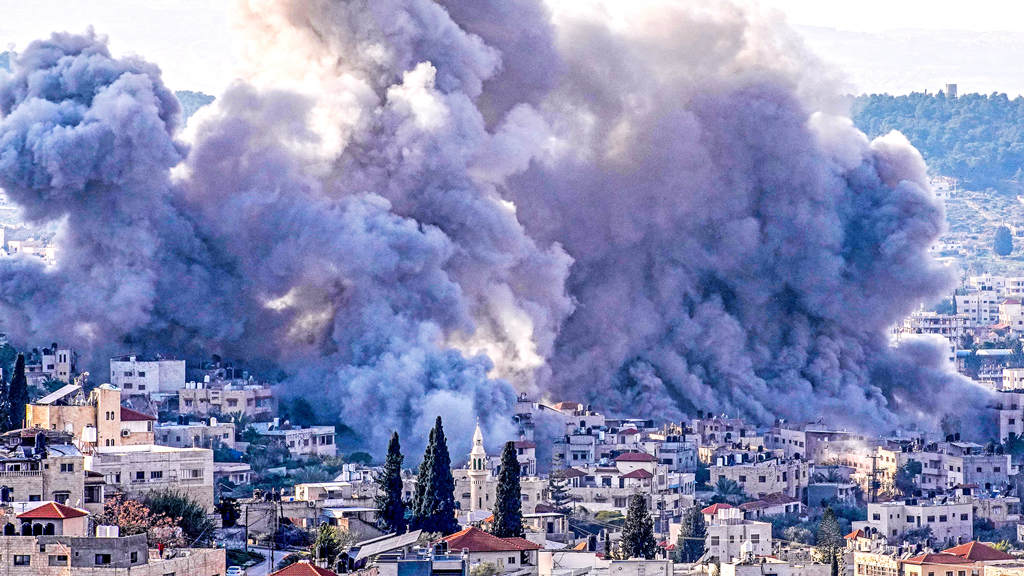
[265, 567]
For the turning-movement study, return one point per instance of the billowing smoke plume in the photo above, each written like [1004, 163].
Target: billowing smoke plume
[415, 208]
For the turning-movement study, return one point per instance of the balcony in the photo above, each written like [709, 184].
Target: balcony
[20, 473]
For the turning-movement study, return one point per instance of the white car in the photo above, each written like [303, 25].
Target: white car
[235, 571]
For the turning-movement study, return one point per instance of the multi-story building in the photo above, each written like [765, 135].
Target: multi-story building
[729, 534]
[309, 441]
[38, 465]
[227, 397]
[951, 522]
[770, 476]
[950, 326]
[142, 375]
[237, 473]
[1010, 407]
[981, 307]
[99, 420]
[52, 362]
[140, 469]
[50, 539]
[210, 434]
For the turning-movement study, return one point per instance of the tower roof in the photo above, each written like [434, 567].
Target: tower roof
[478, 442]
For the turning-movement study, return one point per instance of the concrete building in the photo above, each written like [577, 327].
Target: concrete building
[143, 375]
[52, 362]
[311, 441]
[238, 473]
[952, 522]
[508, 554]
[54, 471]
[767, 477]
[730, 535]
[205, 399]
[140, 469]
[99, 420]
[774, 567]
[981, 307]
[950, 326]
[196, 434]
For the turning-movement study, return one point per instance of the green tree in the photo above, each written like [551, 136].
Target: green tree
[329, 542]
[558, 488]
[485, 569]
[390, 507]
[905, 478]
[638, 532]
[434, 508]
[18, 393]
[508, 496]
[1002, 243]
[830, 539]
[728, 490]
[692, 535]
[186, 513]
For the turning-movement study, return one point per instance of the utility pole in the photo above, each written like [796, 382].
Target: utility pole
[873, 485]
[246, 526]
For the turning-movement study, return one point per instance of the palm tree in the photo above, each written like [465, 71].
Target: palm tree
[728, 490]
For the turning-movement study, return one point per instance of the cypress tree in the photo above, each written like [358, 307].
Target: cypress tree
[508, 505]
[692, 535]
[435, 488]
[5, 406]
[18, 393]
[638, 531]
[830, 539]
[558, 487]
[420, 506]
[390, 507]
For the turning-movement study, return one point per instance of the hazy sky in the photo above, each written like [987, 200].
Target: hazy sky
[878, 15]
[190, 39]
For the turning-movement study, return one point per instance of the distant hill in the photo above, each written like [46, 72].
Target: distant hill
[978, 139]
[190, 101]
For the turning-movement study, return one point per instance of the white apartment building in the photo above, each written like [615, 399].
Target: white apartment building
[146, 468]
[312, 441]
[982, 307]
[139, 375]
[1010, 406]
[949, 326]
[950, 522]
[729, 532]
[987, 283]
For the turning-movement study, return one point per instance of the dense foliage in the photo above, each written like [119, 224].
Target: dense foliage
[830, 540]
[1002, 243]
[638, 532]
[692, 533]
[391, 508]
[434, 505]
[975, 138]
[508, 496]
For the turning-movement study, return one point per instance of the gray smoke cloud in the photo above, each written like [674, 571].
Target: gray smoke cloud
[416, 208]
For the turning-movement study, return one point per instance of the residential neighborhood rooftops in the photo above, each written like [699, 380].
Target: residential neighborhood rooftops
[714, 508]
[639, 473]
[635, 457]
[52, 511]
[978, 552]
[475, 540]
[303, 568]
[941, 558]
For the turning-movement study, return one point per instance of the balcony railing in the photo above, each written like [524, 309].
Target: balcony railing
[19, 473]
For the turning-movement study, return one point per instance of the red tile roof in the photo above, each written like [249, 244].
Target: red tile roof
[978, 552]
[1011, 301]
[635, 457]
[639, 473]
[129, 415]
[303, 568]
[476, 540]
[629, 431]
[941, 558]
[52, 511]
[574, 473]
[755, 505]
[563, 406]
[855, 534]
[714, 508]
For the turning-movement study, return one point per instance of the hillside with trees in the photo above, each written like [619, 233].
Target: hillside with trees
[975, 138]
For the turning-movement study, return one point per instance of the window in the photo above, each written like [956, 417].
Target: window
[35, 498]
[142, 374]
[61, 497]
[193, 473]
[58, 560]
[755, 538]
[762, 478]
[69, 467]
[963, 516]
[997, 469]
[511, 559]
[232, 403]
[943, 519]
[127, 385]
[979, 468]
[127, 373]
[732, 539]
[102, 559]
[715, 541]
[156, 474]
[135, 558]
[22, 560]
[743, 479]
[140, 475]
[876, 516]
[142, 386]
[931, 518]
